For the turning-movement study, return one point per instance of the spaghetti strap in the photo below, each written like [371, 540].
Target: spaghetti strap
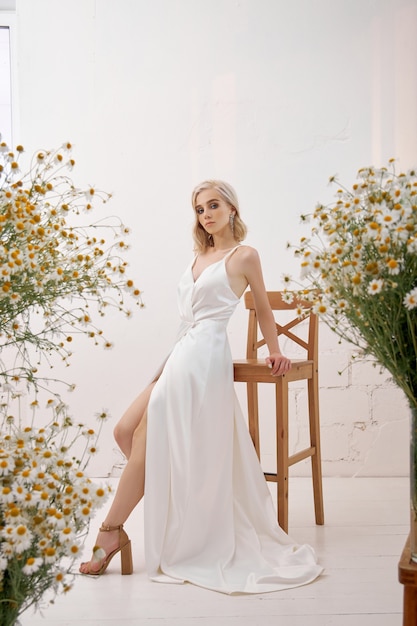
[232, 251]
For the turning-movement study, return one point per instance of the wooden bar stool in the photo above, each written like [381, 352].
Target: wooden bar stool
[253, 371]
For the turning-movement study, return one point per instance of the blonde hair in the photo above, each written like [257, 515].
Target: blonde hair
[201, 237]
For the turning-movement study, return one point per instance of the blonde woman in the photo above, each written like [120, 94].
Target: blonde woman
[209, 517]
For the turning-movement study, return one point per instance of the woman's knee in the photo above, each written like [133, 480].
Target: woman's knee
[139, 436]
[122, 434]
[124, 430]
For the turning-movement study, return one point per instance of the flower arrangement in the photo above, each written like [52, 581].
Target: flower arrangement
[46, 502]
[361, 263]
[53, 266]
[57, 273]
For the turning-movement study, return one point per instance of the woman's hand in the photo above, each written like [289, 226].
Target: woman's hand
[278, 363]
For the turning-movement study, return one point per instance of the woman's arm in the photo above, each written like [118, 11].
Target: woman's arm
[251, 267]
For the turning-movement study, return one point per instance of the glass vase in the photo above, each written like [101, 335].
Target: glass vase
[413, 485]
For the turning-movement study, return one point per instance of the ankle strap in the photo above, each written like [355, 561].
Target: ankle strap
[107, 528]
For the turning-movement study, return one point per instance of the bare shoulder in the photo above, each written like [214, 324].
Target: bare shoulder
[248, 262]
[247, 255]
[243, 268]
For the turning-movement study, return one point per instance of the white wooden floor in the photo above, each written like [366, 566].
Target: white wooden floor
[359, 546]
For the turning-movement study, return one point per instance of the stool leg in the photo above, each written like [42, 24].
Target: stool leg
[410, 606]
[313, 408]
[281, 400]
[253, 416]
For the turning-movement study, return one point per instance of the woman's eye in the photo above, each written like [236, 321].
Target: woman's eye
[214, 205]
[200, 211]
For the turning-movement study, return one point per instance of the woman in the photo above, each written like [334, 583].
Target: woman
[209, 517]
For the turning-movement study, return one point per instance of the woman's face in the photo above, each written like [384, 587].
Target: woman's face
[213, 212]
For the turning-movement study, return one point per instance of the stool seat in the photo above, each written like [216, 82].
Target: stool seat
[254, 371]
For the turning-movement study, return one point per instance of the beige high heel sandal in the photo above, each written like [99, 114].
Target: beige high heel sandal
[125, 549]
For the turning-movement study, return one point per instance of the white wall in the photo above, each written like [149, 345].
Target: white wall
[273, 96]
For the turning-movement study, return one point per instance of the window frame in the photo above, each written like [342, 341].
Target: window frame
[8, 20]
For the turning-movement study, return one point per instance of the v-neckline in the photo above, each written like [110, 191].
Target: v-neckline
[195, 280]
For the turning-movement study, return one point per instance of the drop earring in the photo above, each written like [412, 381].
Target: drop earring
[232, 222]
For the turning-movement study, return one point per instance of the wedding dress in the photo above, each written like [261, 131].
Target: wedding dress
[209, 516]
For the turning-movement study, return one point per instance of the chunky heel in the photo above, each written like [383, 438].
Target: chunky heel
[126, 558]
[125, 549]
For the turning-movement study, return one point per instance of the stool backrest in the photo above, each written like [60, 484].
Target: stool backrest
[302, 314]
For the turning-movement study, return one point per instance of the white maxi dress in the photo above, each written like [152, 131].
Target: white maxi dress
[209, 516]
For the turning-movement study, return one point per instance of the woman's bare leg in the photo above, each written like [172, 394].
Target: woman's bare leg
[131, 486]
[126, 426]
